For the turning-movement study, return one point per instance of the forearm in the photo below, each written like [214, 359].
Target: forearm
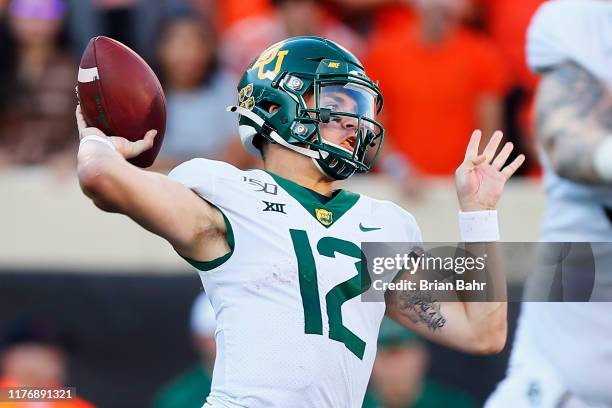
[473, 324]
[570, 154]
[488, 324]
[471, 327]
[474, 320]
[573, 123]
[485, 311]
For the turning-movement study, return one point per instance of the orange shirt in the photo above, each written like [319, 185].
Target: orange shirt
[431, 93]
[507, 21]
[232, 11]
[227, 12]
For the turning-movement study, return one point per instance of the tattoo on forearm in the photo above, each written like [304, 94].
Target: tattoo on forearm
[573, 115]
[421, 308]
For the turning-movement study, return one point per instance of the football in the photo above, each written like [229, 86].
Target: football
[120, 94]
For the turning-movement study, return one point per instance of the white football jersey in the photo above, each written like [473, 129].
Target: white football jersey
[563, 350]
[578, 32]
[291, 328]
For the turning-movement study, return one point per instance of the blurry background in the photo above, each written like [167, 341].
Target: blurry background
[109, 303]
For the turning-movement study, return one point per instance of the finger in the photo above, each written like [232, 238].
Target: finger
[84, 130]
[510, 169]
[80, 119]
[139, 146]
[503, 155]
[91, 131]
[472, 148]
[148, 139]
[492, 146]
[479, 160]
[468, 166]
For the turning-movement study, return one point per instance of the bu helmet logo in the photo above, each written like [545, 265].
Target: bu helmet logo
[324, 216]
[267, 57]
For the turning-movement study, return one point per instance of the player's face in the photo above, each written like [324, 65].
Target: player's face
[341, 130]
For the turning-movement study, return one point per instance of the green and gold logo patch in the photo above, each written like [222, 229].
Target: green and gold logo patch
[324, 216]
[245, 97]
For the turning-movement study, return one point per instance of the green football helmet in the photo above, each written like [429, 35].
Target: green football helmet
[315, 85]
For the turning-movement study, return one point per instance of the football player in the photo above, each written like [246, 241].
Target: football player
[278, 249]
[562, 353]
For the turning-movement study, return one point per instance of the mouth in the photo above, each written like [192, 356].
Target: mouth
[349, 143]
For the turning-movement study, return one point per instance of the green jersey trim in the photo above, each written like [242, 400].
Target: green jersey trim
[215, 263]
[326, 213]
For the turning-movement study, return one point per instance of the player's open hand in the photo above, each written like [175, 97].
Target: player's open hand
[126, 148]
[481, 178]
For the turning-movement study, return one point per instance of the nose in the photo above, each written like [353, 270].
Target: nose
[349, 123]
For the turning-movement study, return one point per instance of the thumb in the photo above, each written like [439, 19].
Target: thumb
[133, 149]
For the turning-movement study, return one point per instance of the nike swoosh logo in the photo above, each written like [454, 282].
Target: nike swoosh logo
[366, 229]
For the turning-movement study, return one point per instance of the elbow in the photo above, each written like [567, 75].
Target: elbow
[571, 164]
[95, 180]
[493, 340]
[562, 166]
[492, 344]
[92, 175]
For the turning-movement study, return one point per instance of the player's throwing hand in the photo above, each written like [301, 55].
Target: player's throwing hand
[126, 148]
[480, 179]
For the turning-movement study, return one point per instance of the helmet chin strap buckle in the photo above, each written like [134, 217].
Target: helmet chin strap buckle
[259, 121]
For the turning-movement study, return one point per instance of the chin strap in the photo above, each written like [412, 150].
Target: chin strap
[318, 166]
[273, 135]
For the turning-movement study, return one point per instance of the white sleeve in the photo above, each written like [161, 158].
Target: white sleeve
[572, 30]
[416, 230]
[409, 224]
[197, 175]
[202, 176]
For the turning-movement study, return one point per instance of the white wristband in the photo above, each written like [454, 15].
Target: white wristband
[478, 226]
[602, 159]
[96, 138]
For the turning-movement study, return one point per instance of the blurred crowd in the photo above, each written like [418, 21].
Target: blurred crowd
[36, 352]
[445, 67]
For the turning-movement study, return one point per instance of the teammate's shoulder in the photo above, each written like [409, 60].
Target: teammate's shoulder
[558, 20]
